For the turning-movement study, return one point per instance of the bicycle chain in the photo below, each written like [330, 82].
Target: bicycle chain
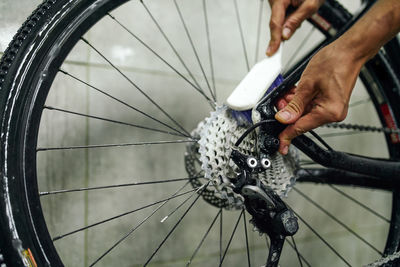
[362, 128]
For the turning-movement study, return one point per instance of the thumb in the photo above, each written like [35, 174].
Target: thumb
[294, 21]
[292, 111]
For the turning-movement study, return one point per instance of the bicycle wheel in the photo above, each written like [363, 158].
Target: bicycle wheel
[93, 149]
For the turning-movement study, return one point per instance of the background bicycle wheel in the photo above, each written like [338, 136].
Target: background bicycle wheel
[69, 212]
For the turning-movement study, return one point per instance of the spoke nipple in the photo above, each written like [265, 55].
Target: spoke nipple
[164, 219]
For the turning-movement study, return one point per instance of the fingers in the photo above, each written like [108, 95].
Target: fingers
[278, 10]
[282, 28]
[294, 21]
[295, 108]
[314, 116]
[304, 93]
[304, 124]
[282, 102]
[289, 97]
[291, 113]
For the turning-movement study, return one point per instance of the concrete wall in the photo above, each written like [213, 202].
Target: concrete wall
[67, 169]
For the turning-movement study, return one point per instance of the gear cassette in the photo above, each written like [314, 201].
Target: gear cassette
[217, 135]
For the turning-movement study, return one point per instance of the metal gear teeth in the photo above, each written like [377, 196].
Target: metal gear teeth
[217, 135]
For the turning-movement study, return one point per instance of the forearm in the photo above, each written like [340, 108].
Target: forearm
[380, 24]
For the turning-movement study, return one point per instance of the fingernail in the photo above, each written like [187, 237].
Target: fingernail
[285, 150]
[286, 33]
[284, 115]
[268, 51]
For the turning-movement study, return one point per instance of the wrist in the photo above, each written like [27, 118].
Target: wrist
[357, 47]
[349, 53]
[363, 41]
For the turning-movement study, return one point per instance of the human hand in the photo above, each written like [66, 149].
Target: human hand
[322, 94]
[282, 27]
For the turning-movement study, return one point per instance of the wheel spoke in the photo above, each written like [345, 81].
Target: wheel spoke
[322, 141]
[230, 239]
[204, 237]
[193, 48]
[174, 227]
[210, 58]
[303, 42]
[297, 251]
[115, 145]
[120, 101]
[241, 34]
[136, 227]
[163, 201]
[260, 12]
[322, 239]
[182, 203]
[173, 48]
[114, 186]
[112, 121]
[330, 215]
[293, 246]
[307, 162]
[138, 88]
[360, 204]
[247, 238]
[196, 87]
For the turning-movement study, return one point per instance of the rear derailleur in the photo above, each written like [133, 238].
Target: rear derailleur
[270, 214]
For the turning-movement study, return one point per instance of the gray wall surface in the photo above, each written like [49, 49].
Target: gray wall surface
[81, 168]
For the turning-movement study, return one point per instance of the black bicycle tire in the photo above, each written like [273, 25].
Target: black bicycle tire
[14, 250]
[26, 248]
